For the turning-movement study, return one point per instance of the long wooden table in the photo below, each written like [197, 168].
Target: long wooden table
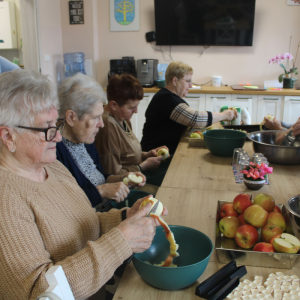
[194, 183]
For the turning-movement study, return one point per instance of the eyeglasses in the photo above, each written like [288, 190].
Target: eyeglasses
[189, 81]
[50, 132]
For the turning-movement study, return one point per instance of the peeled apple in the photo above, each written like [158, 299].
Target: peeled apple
[133, 178]
[270, 117]
[155, 212]
[163, 152]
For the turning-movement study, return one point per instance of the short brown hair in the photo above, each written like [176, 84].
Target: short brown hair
[122, 88]
[177, 69]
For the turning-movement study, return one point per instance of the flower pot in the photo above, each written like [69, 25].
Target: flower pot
[254, 184]
[288, 83]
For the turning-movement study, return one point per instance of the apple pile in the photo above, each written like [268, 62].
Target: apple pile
[242, 218]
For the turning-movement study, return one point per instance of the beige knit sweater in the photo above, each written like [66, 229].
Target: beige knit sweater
[119, 151]
[53, 223]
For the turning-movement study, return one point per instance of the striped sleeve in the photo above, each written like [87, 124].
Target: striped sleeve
[186, 116]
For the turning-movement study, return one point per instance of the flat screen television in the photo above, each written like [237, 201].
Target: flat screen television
[204, 22]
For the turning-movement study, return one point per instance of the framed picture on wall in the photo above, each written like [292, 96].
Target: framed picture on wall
[124, 15]
[293, 2]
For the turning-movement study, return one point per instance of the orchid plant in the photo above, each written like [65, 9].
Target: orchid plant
[288, 57]
[255, 172]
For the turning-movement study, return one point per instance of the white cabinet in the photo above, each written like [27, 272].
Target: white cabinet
[8, 31]
[139, 119]
[291, 109]
[214, 102]
[249, 102]
[269, 105]
[196, 101]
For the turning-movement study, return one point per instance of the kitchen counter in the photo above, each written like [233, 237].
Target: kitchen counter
[195, 181]
[208, 89]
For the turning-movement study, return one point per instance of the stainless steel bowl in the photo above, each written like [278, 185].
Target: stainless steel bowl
[264, 142]
[293, 206]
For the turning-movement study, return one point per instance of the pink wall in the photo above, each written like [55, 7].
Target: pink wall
[50, 35]
[275, 22]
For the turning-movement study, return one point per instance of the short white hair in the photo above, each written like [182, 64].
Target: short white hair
[23, 95]
[79, 93]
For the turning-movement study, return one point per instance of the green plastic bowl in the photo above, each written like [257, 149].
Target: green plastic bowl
[195, 249]
[161, 83]
[222, 142]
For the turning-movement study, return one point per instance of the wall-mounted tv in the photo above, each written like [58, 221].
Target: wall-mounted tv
[204, 22]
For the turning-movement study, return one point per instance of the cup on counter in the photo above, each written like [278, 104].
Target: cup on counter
[235, 158]
[256, 155]
[260, 160]
[242, 164]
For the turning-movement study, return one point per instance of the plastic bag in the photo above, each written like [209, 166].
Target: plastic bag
[161, 70]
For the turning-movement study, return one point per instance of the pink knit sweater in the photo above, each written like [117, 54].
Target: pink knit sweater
[53, 223]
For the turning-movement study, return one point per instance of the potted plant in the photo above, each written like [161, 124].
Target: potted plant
[255, 175]
[286, 77]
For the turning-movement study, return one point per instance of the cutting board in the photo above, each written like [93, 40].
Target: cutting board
[241, 88]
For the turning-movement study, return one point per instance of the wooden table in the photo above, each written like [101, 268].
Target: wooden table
[194, 183]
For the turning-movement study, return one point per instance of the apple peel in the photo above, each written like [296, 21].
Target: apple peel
[155, 212]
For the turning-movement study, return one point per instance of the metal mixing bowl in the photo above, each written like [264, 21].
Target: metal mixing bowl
[264, 142]
[293, 206]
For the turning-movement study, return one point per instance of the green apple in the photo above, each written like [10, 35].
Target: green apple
[269, 231]
[266, 201]
[286, 243]
[195, 135]
[256, 216]
[229, 225]
[277, 218]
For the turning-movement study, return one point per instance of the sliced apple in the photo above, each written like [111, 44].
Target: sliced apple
[163, 152]
[126, 181]
[286, 243]
[135, 179]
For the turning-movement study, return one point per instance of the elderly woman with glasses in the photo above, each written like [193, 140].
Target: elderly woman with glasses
[45, 217]
[169, 115]
[81, 105]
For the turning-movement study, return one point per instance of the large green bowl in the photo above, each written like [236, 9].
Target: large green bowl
[222, 142]
[195, 249]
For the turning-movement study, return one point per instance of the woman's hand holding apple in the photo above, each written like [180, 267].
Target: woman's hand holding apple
[151, 163]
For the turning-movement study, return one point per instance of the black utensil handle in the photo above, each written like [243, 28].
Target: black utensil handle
[107, 203]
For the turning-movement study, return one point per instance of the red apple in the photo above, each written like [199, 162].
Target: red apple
[256, 216]
[227, 210]
[269, 231]
[277, 218]
[241, 202]
[229, 225]
[276, 208]
[266, 201]
[264, 247]
[242, 219]
[273, 238]
[246, 236]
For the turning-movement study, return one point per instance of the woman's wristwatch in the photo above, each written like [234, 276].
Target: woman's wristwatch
[124, 214]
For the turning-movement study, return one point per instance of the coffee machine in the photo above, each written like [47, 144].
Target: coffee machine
[147, 72]
[121, 66]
